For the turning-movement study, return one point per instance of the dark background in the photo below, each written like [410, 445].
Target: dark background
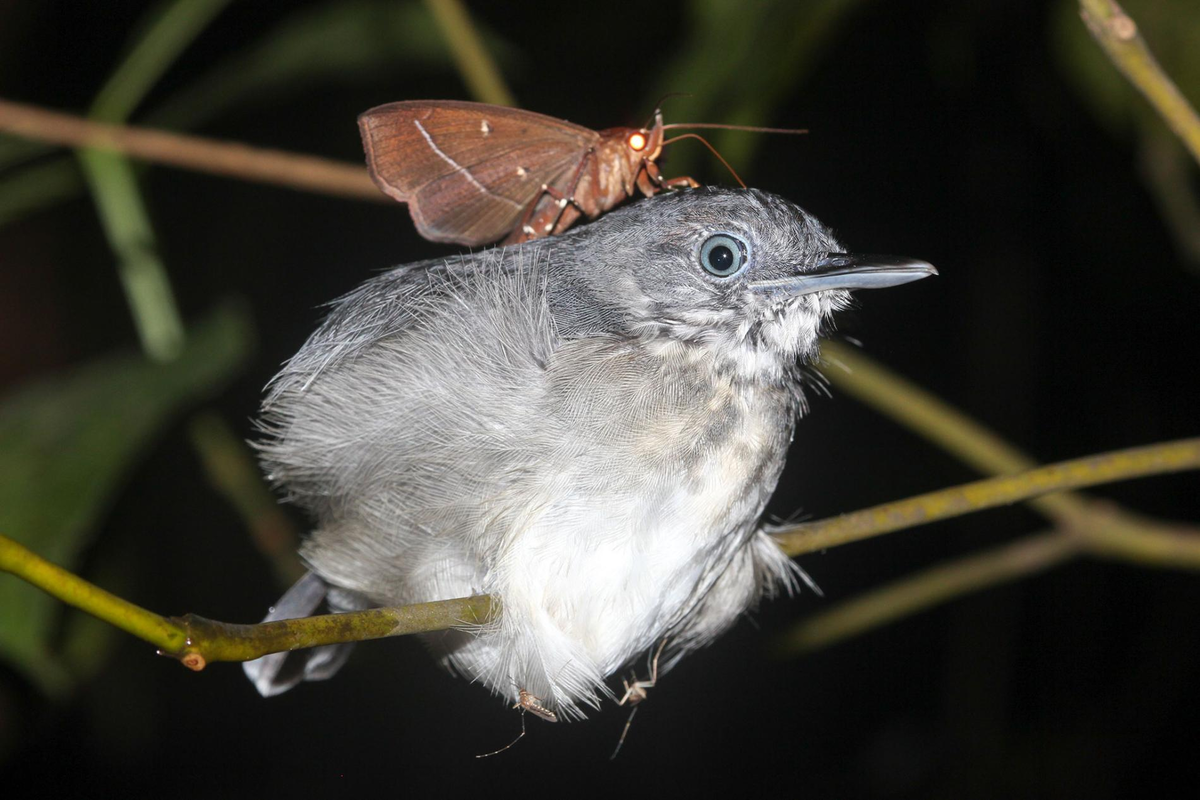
[1064, 317]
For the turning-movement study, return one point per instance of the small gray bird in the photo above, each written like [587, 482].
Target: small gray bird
[586, 427]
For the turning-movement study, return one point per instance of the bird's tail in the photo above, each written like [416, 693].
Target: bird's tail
[276, 673]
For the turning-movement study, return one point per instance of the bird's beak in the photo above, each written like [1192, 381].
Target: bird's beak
[849, 271]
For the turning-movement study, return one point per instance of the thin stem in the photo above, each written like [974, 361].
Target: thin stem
[231, 470]
[478, 70]
[233, 159]
[1108, 532]
[178, 25]
[114, 185]
[143, 277]
[955, 501]
[925, 589]
[1118, 36]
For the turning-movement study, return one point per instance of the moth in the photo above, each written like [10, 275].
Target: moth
[473, 173]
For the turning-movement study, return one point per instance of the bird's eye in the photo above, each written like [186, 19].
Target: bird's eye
[723, 255]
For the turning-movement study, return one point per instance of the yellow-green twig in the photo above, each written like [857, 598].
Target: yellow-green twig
[222, 641]
[1118, 36]
[1136, 462]
[75, 591]
[197, 641]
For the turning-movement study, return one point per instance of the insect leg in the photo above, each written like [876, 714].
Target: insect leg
[650, 180]
[532, 227]
[680, 182]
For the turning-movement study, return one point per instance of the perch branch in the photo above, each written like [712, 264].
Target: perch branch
[197, 641]
[74, 591]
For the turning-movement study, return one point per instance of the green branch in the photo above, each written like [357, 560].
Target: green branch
[474, 63]
[197, 641]
[1118, 36]
[222, 641]
[74, 591]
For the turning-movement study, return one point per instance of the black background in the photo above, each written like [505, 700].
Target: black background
[1063, 317]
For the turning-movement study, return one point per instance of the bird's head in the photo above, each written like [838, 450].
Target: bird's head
[745, 276]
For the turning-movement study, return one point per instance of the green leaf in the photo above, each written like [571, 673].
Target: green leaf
[66, 446]
[336, 42]
[15, 151]
[37, 186]
[340, 41]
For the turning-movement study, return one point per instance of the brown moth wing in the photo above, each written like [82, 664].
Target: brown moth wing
[469, 171]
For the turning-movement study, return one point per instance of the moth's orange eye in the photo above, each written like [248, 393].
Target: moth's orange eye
[637, 141]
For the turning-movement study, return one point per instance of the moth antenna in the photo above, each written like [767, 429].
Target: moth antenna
[658, 105]
[719, 126]
[711, 148]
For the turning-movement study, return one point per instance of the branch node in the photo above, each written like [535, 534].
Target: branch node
[1122, 26]
[194, 661]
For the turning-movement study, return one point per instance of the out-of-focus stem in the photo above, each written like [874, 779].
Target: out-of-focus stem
[475, 63]
[1118, 36]
[927, 588]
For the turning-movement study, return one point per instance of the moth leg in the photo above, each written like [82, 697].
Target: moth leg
[650, 180]
[563, 200]
[553, 220]
[681, 182]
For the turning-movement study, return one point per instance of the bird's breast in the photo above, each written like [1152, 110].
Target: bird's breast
[657, 466]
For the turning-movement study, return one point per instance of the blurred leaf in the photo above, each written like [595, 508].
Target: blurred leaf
[37, 186]
[173, 25]
[344, 41]
[340, 40]
[1171, 29]
[15, 150]
[66, 445]
[740, 61]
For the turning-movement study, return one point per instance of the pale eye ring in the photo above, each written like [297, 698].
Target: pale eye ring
[724, 255]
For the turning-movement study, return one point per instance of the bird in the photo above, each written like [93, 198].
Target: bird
[586, 427]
